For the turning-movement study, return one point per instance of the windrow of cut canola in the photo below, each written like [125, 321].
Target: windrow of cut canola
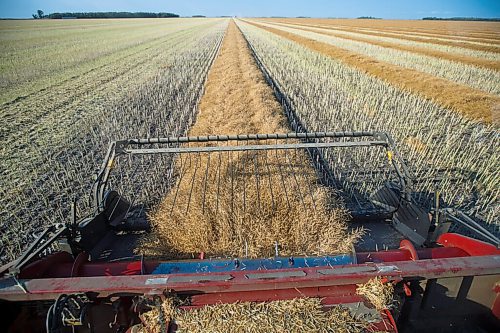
[251, 203]
[487, 44]
[488, 60]
[397, 41]
[445, 151]
[448, 28]
[484, 41]
[144, 90]
[445, 34]
[479, 78]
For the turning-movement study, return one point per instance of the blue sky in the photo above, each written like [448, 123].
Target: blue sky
[402, 9]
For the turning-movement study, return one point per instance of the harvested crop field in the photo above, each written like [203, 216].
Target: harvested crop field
[432, 40]
[105, 80]
[220, 207]
[469, 101]
[433, 86]
[368, 82]
[246, 175]
[420, 48]
[447, 28]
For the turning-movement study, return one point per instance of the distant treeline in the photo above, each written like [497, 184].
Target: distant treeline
[462, 19]
[99, 15]
[369, 18]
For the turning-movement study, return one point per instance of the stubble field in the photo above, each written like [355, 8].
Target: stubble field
[70, 87]
[442, 111]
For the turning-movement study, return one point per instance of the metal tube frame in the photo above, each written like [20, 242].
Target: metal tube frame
[309, 142]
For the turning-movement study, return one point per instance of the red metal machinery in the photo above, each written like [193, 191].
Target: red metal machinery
[114, 285]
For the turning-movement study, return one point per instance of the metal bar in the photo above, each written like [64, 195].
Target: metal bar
[257, 180]
[135, 194]
[102, 177]
[254, 147]
[305, 176]
[239, 137]
[406, 173]
[339, 293]
[232, 183]
[184, 169]
[60, 264]
[243, 177]
[30, 249]
[474, 226]
[192, 182]
[205, 183]
[290, 166]
[282, 177]
[39, 289]
[271, 192]
[429, 288]
[218, 185]
[29, 255]
[464, 288]
[488, 236]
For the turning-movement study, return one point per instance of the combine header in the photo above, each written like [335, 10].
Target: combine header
[84, 276]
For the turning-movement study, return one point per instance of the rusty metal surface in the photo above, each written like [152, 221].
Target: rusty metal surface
[38, 289]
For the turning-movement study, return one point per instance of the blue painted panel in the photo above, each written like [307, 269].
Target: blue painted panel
[226, 265]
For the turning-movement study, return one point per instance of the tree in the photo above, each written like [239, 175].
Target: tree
[34, 16]
[40, 13]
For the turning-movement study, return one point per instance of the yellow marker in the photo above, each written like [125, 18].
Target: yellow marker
[389, 155]
[110, 164]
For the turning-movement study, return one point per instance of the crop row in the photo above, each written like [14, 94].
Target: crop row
[450, 29]
[485, 41]
[481, 45]
[438, 35]
[479, 78]
[399, 41]
[445, 151]
[36, 58]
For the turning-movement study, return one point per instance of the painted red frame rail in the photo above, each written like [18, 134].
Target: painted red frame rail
[249, 281]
